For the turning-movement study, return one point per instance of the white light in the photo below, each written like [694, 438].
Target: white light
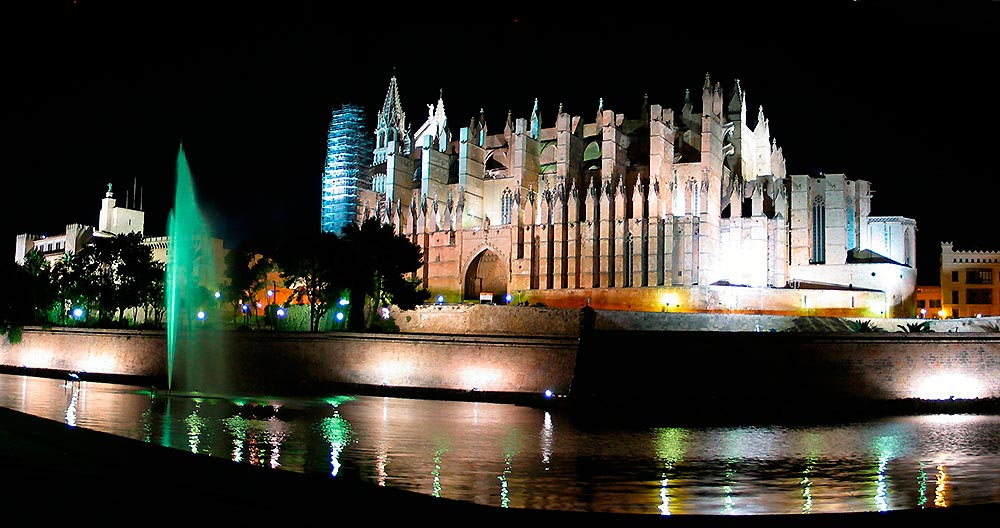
[78, 312]
[270, 293]
[201, 315]
[218, 295]
[549, 393]
[344, 302]
[340, 316]
[281, 312]
[385, 312]
[947, 386]
[440, 299]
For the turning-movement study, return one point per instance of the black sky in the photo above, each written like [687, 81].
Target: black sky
[100, 92]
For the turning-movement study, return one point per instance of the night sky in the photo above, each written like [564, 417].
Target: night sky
[99, 92]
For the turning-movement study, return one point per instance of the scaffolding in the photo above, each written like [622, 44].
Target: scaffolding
[348, 150]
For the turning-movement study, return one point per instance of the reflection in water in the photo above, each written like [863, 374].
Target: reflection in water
[669, 446]
[922, 486]
[468, 449]
[195, 428]
[337, 432]
[73, 400]
[546, 436]
[885, 448]
[941, 490]
[439, 451]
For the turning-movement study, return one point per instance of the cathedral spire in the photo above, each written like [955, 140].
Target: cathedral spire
[482, 127]
[441, 120]
[391, 115]
[536, 122]
[391, 126]
[738, 97]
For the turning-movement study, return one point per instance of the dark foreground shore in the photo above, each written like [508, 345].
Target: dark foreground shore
[56, 473]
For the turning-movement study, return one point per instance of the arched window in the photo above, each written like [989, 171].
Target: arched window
[818, 230]
[506, 205]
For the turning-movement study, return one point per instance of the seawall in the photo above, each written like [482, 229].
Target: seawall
[664, 365]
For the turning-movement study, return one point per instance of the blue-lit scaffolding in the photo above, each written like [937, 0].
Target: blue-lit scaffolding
[348, 155]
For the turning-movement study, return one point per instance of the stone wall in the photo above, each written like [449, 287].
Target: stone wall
[668, 373]
[624, 361]
[292, 363]
[484, 319]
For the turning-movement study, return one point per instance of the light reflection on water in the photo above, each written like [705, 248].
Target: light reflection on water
[520, 457]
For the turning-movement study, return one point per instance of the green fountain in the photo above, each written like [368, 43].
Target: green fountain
[195, 351]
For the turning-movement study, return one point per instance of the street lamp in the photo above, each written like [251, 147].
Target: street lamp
[281, 315]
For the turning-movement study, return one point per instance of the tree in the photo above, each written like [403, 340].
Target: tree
[41, 292]
[247, 273]
[16, 309]
[377, 262]
[69, 281]
[112, 268]
[312, 265]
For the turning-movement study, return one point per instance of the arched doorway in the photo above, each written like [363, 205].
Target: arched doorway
[487, 273]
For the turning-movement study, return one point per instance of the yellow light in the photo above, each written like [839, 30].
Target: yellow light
[942, 314]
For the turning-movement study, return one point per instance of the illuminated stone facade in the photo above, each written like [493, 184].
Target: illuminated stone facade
[667, 211]
[969, 282]
[112, 220]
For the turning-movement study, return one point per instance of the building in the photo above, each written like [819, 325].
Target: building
[112, 220]
[348, 151]
[969, 282]
[929, 302]
[664, 211]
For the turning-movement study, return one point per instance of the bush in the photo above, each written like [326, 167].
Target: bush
[862, 326]
[916, 327]
[384, 326]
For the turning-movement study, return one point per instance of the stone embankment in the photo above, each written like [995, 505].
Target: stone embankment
[667, 365]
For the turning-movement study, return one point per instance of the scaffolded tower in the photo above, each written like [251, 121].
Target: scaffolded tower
[348, 154]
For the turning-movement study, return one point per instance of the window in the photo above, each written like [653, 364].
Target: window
[629, 248]
[506, 204]
[921, 303]
[978, 296]
[818, 231]
[935, 303]
[954, 276]
[954, 297]
[979, 276]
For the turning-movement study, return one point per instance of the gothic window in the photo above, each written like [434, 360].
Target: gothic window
[627, 266]
[818, 231]
[506, 205]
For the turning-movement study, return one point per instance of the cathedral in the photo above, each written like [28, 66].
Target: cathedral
[678, 211]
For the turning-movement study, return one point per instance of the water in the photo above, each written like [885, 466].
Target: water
[520, 457]
[190, 276]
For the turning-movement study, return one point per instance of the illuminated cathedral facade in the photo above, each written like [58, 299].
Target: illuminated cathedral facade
[688, 210]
